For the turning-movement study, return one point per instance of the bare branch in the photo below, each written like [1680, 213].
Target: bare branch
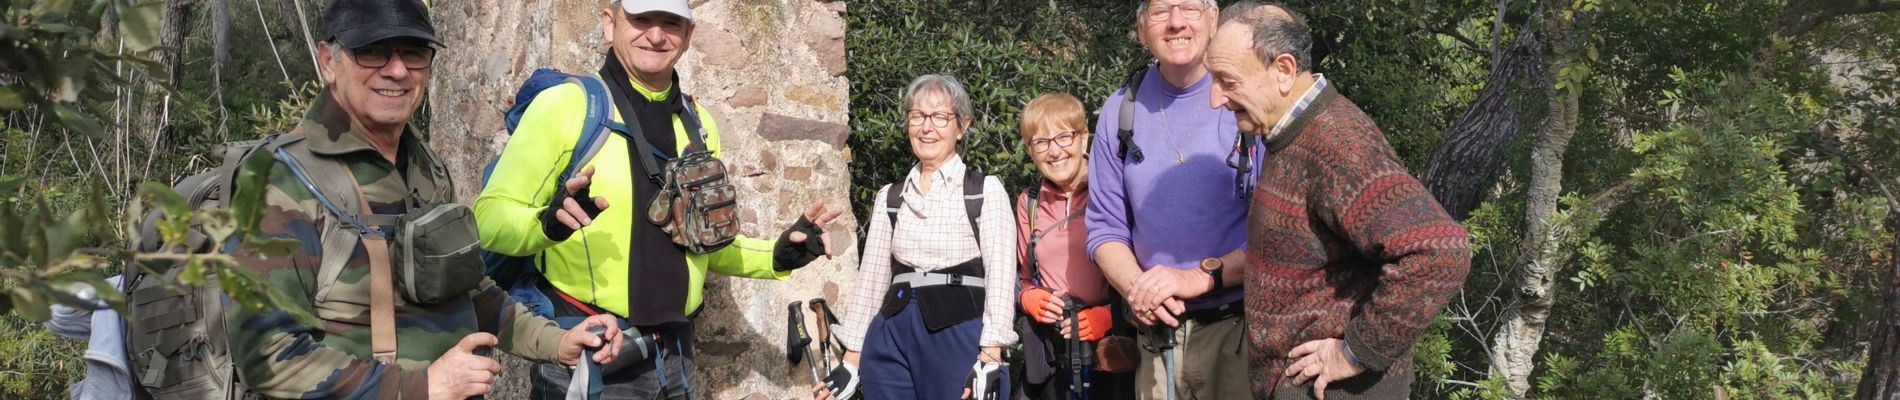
[1798, 20]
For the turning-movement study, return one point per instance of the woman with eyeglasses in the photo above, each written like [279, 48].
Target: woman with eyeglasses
[933, 307]
[1076, 345]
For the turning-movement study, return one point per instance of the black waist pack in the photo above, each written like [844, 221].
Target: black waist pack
[943, 305]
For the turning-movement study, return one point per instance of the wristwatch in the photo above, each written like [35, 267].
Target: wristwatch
[1212, 266]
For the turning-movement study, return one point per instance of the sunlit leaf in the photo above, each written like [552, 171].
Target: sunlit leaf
[173, 227]
[194, 273]
[165, 197]
[252, 292]
[217, 225]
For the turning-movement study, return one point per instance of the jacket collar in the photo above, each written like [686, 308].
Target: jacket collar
[328, 131]
[1051, 192]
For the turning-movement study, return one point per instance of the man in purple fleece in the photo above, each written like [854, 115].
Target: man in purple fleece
[1166, 214]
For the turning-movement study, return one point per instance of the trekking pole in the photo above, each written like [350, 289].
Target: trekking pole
[585, 380]
[796, 339]
[826, 319]
[1071, 310]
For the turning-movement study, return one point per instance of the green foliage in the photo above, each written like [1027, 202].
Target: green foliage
[1728, 193]
[1753, 189]
[1005, 52]
[38, 365]
[52, 67]
[69, 149]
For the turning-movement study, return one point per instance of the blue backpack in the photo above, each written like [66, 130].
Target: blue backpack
[519, 275]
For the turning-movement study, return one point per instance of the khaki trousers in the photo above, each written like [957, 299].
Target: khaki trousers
[1209, 363]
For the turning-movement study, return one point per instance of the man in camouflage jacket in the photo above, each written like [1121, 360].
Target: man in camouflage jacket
[375, 63]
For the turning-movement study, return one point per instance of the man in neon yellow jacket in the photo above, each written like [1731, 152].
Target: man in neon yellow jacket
[596, 249]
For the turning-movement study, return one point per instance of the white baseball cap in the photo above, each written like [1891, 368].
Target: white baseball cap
[675, 7]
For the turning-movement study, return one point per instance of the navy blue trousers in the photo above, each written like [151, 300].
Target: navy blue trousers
[904, 360]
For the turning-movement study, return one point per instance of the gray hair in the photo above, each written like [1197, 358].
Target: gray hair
[945, 85]
[1275, 33]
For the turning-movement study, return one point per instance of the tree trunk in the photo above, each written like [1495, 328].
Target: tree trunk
[760, 69]
[155, 110]
[1514, 351]
[1466, 163]
[1881, 378]
[1522, 320]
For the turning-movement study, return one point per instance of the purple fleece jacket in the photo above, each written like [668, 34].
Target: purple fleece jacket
[1182, 212]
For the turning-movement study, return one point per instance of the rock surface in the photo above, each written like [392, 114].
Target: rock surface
[748, 59]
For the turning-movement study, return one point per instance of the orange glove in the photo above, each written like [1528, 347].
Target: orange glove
[1095, 322]
[1037, 303]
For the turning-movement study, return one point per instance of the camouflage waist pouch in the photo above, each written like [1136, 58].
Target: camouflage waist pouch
[437, 254]
[697, 204]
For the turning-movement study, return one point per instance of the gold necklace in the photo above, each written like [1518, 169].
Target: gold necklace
[1179, 157]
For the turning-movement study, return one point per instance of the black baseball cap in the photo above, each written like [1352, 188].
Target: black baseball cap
[358, 23]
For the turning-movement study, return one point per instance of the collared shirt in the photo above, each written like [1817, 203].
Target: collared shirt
[932, 232]
[1061, 250]
[1299, 106]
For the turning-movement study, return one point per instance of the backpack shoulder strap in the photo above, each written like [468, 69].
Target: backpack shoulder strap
[1125, 123]
[973, 199]
[337, 179]
[690, 120]
[893, 201]
[382, 291]
[643, 150]
[1030, 196]
[595, 128]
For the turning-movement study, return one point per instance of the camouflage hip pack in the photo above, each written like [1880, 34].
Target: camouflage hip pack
[697, 204]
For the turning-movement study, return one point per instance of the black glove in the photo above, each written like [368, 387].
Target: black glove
[552, 227]
[787, 256]
[843, 381]
[985, 381]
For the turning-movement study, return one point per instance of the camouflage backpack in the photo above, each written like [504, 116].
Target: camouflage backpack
[176, 339]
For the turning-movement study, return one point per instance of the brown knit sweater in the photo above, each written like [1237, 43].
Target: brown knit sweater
[1344, 243]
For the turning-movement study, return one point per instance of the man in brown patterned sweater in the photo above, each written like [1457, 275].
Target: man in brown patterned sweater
[1349, 256]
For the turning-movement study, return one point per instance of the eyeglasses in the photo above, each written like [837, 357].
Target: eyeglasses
[379, 56]
[940, 120]
[1190, 10]
[1061, 140]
